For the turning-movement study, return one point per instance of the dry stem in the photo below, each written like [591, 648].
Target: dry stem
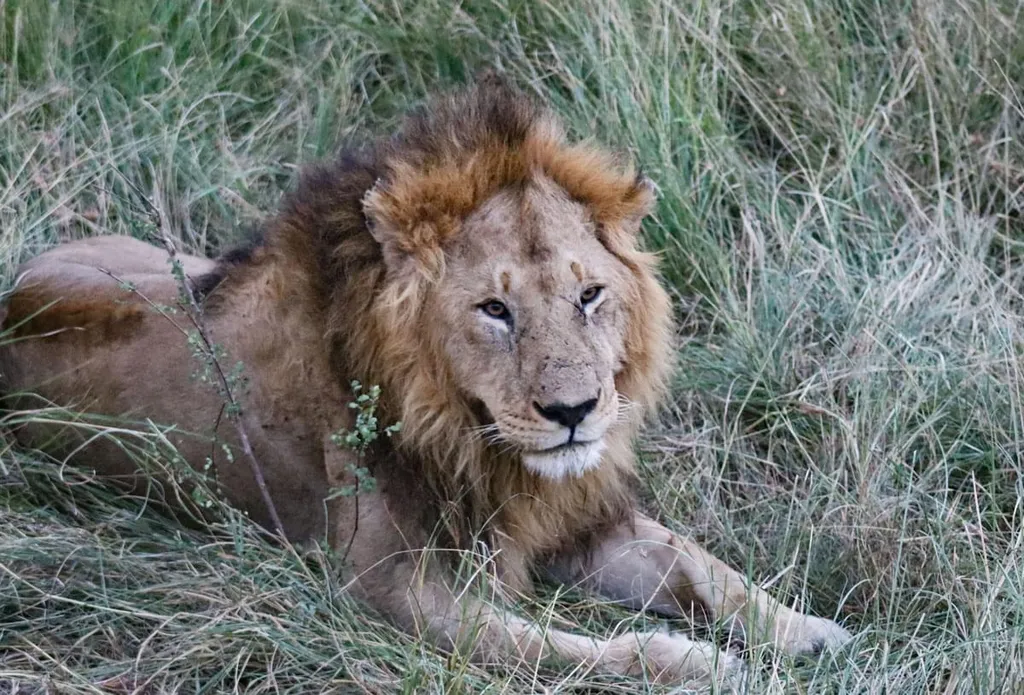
[194, 311]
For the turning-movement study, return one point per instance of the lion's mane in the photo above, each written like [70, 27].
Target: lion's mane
[445, 161]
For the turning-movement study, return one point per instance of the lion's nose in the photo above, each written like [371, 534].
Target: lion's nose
[566, 415]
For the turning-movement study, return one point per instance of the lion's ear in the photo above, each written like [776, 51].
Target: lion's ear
[642, 200]
[383, 228]
[408, 245]
[620, 232]
[620, 227]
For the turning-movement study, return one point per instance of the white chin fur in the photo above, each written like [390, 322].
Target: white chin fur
[567, 462]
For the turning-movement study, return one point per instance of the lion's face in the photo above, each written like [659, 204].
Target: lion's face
[530, 317]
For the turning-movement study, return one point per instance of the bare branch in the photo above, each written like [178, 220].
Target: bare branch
[192, 308]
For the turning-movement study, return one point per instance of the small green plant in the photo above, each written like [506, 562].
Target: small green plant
[211, 358]
[201, 484]
[358, 439]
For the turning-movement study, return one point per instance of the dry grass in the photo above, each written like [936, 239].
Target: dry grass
[841, 191]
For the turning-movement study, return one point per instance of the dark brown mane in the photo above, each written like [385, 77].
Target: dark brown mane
[447, 156]
[328, 197]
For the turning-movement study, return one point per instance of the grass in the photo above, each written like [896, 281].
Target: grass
[841, 189]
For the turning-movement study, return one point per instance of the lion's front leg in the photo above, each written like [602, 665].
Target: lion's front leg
[490, 634]
[648, 567]
[416, 590]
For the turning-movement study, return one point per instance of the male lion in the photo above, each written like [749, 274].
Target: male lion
[486, 274]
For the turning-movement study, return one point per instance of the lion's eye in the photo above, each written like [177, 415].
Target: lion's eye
[590, 294]
[496, 309]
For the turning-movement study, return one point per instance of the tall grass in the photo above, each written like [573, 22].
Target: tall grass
[841, 184]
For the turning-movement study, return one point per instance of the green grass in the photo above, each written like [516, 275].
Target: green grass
[841, 190]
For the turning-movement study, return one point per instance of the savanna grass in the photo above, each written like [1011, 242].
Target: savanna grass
[841, 184]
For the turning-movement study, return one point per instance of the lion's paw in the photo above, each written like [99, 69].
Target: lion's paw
[798, 634]
[675, 658]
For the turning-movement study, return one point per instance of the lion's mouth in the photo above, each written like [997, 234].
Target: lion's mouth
[567, 460]
[567, 446]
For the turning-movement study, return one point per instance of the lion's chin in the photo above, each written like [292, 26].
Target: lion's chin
[565, 461]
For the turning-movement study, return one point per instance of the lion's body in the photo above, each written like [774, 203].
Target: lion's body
[112, 353]
[378, 269]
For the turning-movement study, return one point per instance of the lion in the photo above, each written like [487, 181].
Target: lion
[486, 273]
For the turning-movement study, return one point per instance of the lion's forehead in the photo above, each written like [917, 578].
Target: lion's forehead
[532, 237]
[548, 277]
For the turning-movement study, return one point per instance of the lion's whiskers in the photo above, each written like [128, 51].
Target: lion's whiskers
[492, 435]
[485, 432]
[509, 447]
[624, 408]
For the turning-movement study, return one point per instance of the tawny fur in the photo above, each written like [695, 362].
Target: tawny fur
[358, 277]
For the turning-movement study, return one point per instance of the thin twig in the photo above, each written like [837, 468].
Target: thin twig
[194, 311]
[355, 526]
[130, 287]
